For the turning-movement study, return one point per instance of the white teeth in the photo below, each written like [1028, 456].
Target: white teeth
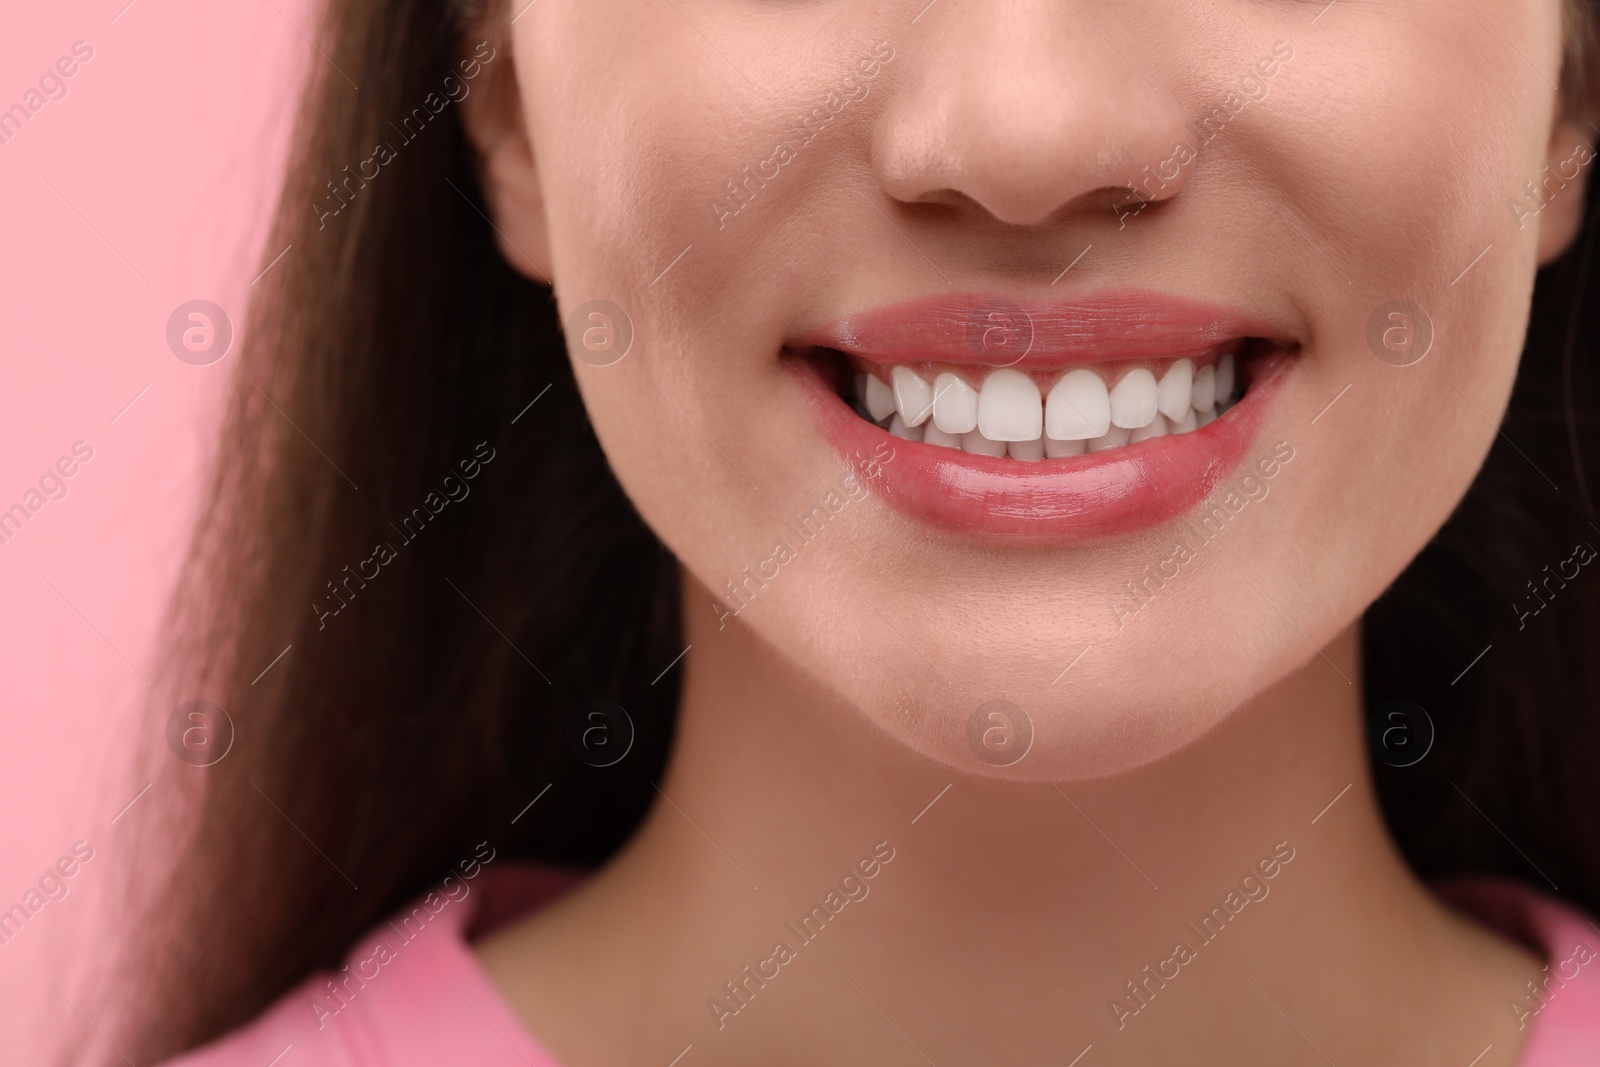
[1203, 394]
[1224, 379]
[1057, 449]
[1172, 395]
[978, 445]
[1133, 399]
[1156, 428]
[1078, 407]
[878, 396]
[1006, 416]
[955, 404]
[913, 396]
[1027, 451]
[898, 427]
[1115, 437]
[932, 435]
[1009, 407]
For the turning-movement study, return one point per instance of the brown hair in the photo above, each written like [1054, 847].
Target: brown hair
[416, 712]
[392, 343]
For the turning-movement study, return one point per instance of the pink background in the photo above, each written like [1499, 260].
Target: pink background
[169, 143]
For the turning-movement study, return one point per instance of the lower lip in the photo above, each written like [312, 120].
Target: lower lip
[1076, 498]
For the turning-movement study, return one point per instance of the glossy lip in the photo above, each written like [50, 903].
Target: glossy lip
[995, 330]
[1058, 501]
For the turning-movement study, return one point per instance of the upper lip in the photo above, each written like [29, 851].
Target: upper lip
[993, 329]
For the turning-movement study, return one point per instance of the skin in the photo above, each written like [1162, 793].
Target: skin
[1191, 738]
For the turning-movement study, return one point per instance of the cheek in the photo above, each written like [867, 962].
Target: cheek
[1386, 162]
[1399, 152]
[1399, 160]
[629, 182]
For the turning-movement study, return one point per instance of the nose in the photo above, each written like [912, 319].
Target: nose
[1026, 108]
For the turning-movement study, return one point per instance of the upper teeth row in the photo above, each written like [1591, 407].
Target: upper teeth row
[1008, 407]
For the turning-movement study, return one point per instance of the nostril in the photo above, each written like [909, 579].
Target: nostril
[1040, 136]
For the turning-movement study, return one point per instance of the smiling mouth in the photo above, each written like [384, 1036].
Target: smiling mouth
[1059, 421]
[1035, 414]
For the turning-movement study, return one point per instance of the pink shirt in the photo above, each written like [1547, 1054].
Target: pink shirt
[412, 992]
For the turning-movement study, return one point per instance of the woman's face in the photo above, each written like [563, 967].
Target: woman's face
[1066, 223]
